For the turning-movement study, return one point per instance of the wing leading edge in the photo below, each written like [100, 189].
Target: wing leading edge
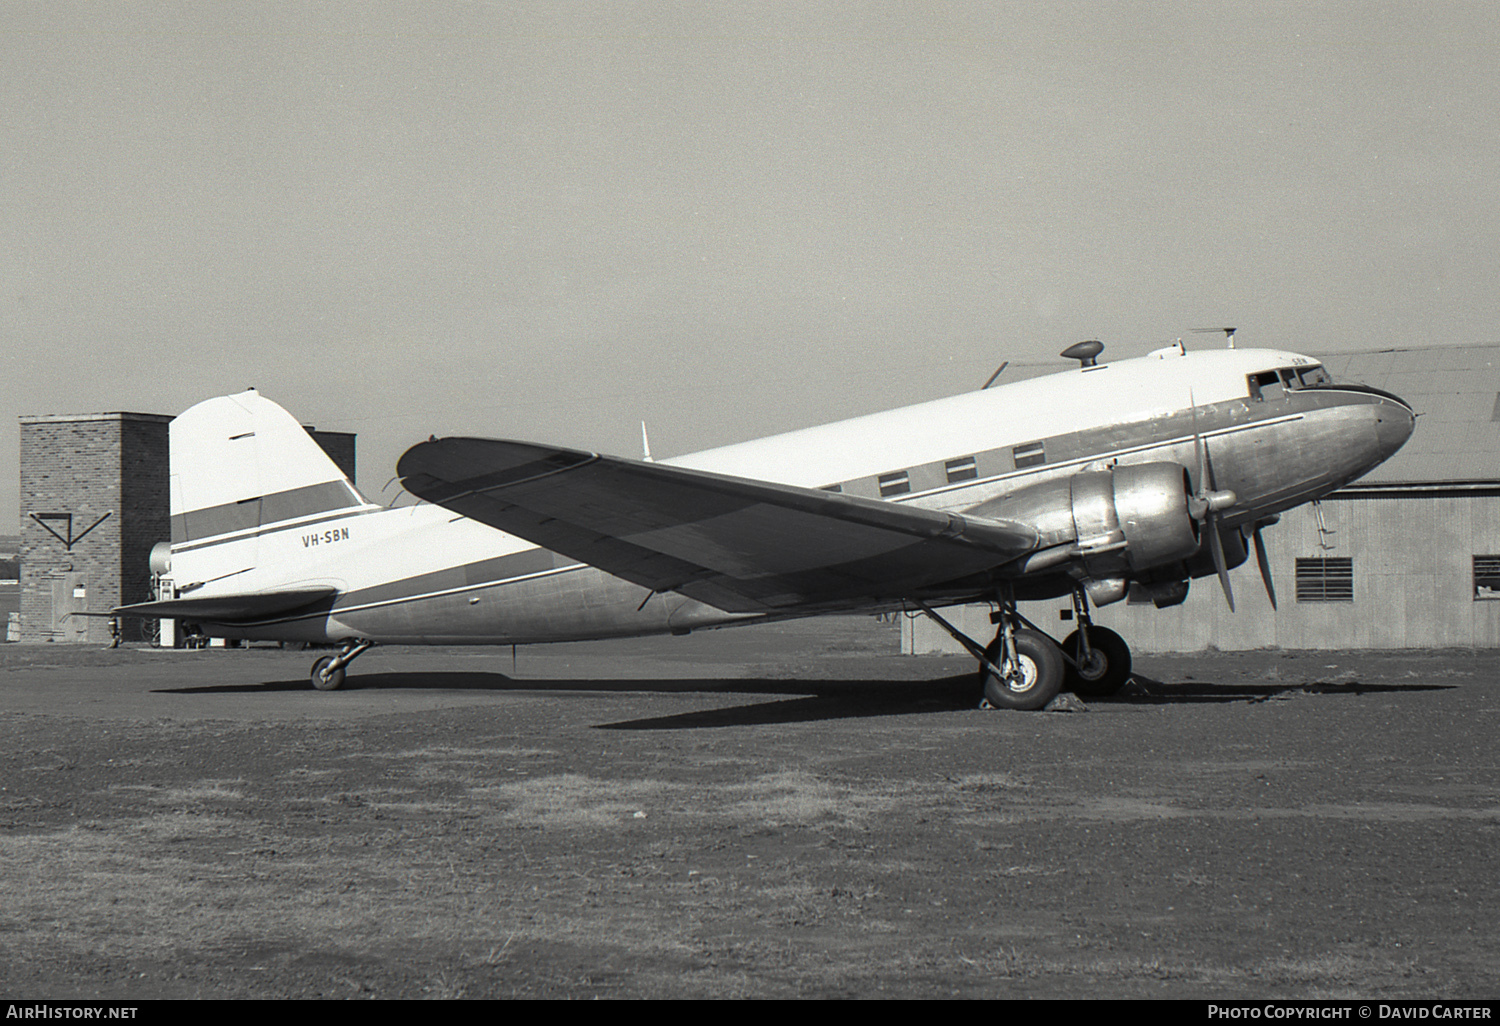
[738, 544]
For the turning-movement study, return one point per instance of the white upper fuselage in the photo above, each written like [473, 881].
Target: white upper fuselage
[1004, 415]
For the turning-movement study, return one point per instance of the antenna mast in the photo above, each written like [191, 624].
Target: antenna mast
[1228, 333]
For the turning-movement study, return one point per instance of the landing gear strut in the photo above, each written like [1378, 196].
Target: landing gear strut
[1025, 669]
[1021, 669]
[328, 672]
[1030, 676]
[1098, 658]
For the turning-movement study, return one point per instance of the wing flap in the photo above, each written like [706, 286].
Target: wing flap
[738, 544]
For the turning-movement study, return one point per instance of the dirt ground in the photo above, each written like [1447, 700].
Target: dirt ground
[790, 811]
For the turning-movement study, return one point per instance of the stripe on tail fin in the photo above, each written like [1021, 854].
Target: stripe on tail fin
[242, 463]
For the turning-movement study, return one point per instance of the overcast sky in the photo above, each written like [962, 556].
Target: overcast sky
[551, 221]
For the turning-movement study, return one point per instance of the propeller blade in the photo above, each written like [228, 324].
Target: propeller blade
[1265, 565]
[1216, 546]
[1205, 504]
[1200, 450]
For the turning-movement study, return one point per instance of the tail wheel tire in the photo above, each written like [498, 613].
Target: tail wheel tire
[1038, 678]
[325, 679]
[1107, 668]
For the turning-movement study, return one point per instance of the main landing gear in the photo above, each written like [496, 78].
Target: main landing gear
[1025, 669]
[328, 672]
[1098, 659]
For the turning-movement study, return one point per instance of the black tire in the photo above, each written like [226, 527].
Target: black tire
[324, 679]
[1041, 673]
[1107, 670]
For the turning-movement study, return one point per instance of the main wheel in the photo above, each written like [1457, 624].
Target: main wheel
[1038, 677]
[325, 679]
[1105, 671]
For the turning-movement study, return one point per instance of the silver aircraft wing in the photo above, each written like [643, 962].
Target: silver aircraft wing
[739, 544]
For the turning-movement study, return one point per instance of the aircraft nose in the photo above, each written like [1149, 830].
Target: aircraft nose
[1394, 421]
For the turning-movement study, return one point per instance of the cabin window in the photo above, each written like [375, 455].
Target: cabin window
[1325, 580]
[832, 488]
[961, 470]
[894, 484]
[1029, 455]
[1486, 578]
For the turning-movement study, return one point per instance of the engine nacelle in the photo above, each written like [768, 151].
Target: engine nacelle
[1123, 520]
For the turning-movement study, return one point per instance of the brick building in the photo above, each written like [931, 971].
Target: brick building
[94, 500]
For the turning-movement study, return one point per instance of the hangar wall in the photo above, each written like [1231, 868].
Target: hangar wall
[94, 500]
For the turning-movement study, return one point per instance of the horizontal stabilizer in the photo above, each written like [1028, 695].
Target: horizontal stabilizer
[230, 608]
[739, 544]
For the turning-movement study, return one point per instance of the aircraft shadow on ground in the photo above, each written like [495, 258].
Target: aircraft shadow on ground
[809, 700]
[364, 682]
[1145, 691]
[850, 699]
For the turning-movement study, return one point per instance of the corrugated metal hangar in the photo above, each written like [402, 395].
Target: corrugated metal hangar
[1406, 557]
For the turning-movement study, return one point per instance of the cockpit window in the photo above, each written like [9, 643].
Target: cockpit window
[1266, 386]
[1312, 377]
[1273, 384]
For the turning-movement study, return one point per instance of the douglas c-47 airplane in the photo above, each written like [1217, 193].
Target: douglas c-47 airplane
[1144, 473]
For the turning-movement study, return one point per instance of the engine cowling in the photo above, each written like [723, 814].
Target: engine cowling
[1126, 519]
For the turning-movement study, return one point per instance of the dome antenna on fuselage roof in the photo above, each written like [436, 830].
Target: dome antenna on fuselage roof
[1086, 353]
[1228, 333]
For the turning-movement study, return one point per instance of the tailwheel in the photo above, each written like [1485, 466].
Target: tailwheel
[328, 672]
[1103, 670]
[1031, 679]
[326, 676]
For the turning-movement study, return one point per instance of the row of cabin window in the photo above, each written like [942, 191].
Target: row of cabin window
[899, 483]
[965, 468]
[1033, 454]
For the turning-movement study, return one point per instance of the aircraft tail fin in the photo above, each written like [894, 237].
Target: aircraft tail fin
[242, 466]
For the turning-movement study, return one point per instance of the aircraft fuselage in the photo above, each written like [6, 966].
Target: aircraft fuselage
[1263, 424]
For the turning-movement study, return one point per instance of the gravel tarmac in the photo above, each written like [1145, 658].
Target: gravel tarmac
[784, 811]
